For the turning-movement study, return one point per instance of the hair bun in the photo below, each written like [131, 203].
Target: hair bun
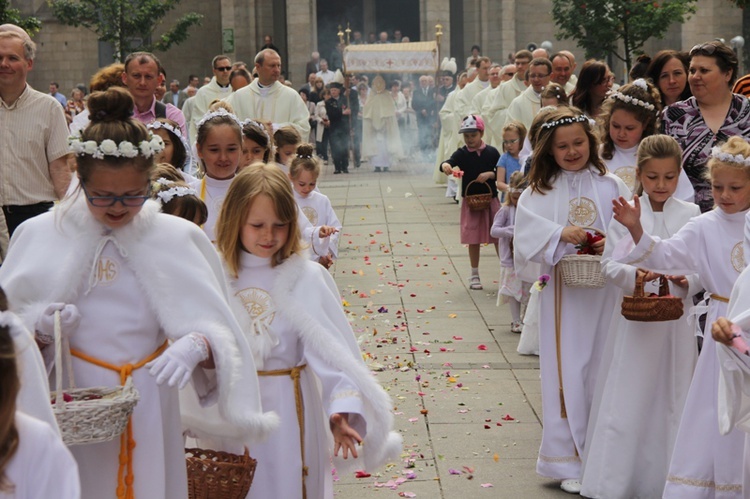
[113, 104]
[305, 150]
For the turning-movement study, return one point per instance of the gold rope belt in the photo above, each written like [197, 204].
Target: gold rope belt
[294, 373]
[127, 443]
[558, 327]
[720, 298]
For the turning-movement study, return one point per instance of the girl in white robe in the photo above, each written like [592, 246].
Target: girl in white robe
[569, 189]
[304, 172]
[628, 116]
[105, 258]
[651, 364]
[704, 463]
[310, 367]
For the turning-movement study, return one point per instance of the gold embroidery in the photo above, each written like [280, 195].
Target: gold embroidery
[627, 175]
[706, 484]
[256, 301]
[563, 459]
[311, 214]
[645, 255]
[582, 212]
[107, 271]
[738, 257]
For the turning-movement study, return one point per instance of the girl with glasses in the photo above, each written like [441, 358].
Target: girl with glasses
[105, 258]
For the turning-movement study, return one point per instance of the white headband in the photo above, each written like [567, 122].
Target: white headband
[108, 147]
[156, 125]
[251, 121]
[215, 114]
[726, 157]
[177, 191]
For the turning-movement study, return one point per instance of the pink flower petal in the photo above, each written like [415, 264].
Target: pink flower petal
[487, 485]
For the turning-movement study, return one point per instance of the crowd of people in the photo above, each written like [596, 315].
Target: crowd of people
[242, 341]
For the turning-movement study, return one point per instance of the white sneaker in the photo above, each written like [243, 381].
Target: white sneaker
[515, 327]
[571, 486]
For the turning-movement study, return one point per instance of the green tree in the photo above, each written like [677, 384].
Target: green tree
[9, 15]
[599, 25]
[743, 4]
[127, 24]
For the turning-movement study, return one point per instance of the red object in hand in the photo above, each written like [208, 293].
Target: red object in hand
[587, 247]
[738, 342]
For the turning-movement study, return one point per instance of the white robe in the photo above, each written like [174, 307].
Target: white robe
[449, 124]
[277, 104]
[584, 199]
[462, 106]
[318, 210]
[644, 378]
[482, 102]
[41, 466]
[202, 100]
[67, 256]
[524, 108]
[508, 91]
[212, 192]
[292, 316]
[704, 463]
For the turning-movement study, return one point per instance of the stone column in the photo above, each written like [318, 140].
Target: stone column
[432, 12]
[508, 42]
[302, 36]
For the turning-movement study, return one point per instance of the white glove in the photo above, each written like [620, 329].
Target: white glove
[69, 320]
[176, 364]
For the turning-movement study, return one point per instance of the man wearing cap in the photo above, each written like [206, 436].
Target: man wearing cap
[269, 102]
[33, 137]
[527, 105]
[217, 88]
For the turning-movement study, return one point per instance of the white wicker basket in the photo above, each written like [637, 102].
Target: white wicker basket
[582, 271]
[85, 420]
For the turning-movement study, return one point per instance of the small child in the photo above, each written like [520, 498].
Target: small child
[285, 139]
[176, 197]
[256, 143]
[554, 95]
[176, 149]
[477, 161]
[512, 290]
[303, 173]
[309, 365]
[514, 134]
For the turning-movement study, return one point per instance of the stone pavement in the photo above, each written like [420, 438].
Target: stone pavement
[467, 404]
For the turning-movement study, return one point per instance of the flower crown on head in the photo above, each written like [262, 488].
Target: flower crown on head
[174, 191]
[640, 83]
[108, 147]
[565, 121]
[215, 114]
[156, 125]
[726, 157]
[251, 121]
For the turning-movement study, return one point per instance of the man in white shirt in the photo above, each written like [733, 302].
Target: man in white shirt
[269, 102]
[325, 73]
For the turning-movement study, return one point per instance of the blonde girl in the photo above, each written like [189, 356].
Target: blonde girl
[303, 173]
[569, 195]
[514, 134]
[652, 362]
[711, 246]
[128, 280]
[285, 139]
[554, 95]
[512, 290]
[291, 313]
[256, 143]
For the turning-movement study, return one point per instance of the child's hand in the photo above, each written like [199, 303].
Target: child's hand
[679, 280]
[344, 436]
[485, 176]
[598, 246]
[447, 169]
[573, 235]
[649, 276]
[629, 216]
[327, 230]
[723, 331]
[326, 261]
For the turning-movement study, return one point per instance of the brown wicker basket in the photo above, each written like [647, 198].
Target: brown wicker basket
[478, 202]
[95, 414]
[582, 271]
[218, 475]
[643, 308]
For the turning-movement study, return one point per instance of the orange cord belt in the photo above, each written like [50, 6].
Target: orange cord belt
[294, 373]
[127, 443]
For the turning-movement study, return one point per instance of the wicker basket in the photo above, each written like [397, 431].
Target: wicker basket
[478, 202]
[95, 414]
[218, 475]
[582, 271]
[642, 308]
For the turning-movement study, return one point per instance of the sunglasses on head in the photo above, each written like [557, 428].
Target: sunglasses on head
[705, 48]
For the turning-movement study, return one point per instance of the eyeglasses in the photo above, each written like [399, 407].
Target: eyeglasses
[107, 201]
[224, 68]
[509, 142]
[534, 76]
[707, 48]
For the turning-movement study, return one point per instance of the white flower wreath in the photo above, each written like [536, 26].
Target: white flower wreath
[214, 114]
[177, 191]
[726, 157]
[108, 147]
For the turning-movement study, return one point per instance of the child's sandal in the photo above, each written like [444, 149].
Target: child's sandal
[475, 283]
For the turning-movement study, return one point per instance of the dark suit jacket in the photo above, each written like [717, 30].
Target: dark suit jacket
[420, 102]
[311, 68]
[181, 98]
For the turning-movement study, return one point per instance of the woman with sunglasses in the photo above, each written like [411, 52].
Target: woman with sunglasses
[105, 259]
[710, 116]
